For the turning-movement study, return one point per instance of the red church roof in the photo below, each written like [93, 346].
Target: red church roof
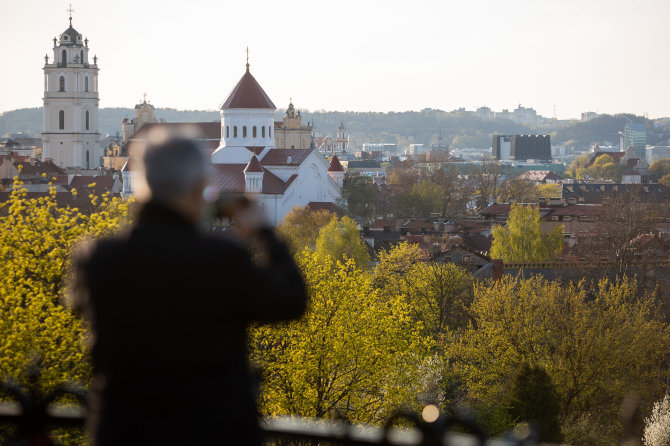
[254, 165]
[335, 165]
[247, 94]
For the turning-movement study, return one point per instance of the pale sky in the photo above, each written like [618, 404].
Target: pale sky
[608, 56]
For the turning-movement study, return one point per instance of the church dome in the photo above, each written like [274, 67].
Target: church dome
[71, 37]
[247, 94]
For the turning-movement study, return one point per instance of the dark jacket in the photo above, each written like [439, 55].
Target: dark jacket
[168, 308]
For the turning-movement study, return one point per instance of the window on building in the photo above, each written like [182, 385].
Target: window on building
[61, 84]
[64, 58]
[263, 131]
[254, 131]
[81, 56]
[244, 131]
[61, 120]
[87, 159]
[270, 131]
[86, 84]
[235, 132]
[87, 121]
[227, 131]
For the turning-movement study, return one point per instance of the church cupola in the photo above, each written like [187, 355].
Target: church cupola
[253, 176]
[336, 171]
[247, 122]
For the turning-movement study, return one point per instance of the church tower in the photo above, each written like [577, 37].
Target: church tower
[342, 141]
[247, 123]
[70, 134]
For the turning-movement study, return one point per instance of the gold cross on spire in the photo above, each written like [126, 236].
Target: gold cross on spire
[70, 10]
[145, 96]
[247, 58]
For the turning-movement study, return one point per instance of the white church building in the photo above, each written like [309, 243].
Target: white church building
[245, 159]
[70, 136]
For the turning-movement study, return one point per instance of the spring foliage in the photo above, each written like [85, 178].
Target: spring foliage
[36, 239]
[657, 425]
[522, 238]
[353, 355]
[595, 344]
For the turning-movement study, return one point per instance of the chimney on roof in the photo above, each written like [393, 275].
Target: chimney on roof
[497, 269]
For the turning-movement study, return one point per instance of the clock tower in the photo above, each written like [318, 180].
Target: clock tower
[70, 136]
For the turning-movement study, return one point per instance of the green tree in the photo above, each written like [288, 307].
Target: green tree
[358, 194]
[533, 398]
[340, 240]
[36, 239]
[522, 238]
[596, 344]
[605, 168]
[353, 355]
[425, 198]
[577, 167]
[660, 167]
[300, 227]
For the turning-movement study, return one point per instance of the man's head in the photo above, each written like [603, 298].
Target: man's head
[172, 171]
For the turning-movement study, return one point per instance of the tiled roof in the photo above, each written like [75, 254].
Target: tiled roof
[247, 94]
[230, 178]
[254, 165]
[335, 165]
[206, 130]
[102, 183]
[38, 168]
[279, 157]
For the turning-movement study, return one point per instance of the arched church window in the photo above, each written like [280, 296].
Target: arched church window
[227, 131]
[254, 131]
[87, 162]
[86, 84]
[87, 120]
[81, 56]
[244, 131]
[263, 131]
[64, 58]
[61, 84]
[235, 132]
[61, 120]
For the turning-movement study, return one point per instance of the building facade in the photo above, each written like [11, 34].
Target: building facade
[635, 136]
[521, 147]
[70, 136]
[291, 134]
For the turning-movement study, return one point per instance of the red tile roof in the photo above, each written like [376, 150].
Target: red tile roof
[103, 183]
[230, 178]
[254, 165]
[247, 94]
[204, 130]
[279, 157]
[335, 165]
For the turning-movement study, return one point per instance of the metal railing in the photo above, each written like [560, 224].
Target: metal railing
[34, 415]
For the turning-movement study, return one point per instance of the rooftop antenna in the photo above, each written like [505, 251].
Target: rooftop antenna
[247, 59]
[70, 10]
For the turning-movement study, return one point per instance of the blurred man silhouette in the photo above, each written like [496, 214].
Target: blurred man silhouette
[168, 307]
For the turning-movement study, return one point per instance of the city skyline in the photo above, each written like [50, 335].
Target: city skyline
[373, 56]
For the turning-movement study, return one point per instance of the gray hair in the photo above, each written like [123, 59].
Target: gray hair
[168, 169]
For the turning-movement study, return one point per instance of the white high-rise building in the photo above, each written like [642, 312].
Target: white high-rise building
[70, 134]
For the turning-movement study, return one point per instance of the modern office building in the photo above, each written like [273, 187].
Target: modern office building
[521, 147]
[635, 136]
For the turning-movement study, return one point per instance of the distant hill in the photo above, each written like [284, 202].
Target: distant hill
[457, 129]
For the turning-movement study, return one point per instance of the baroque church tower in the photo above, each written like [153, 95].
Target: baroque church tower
[70, 134]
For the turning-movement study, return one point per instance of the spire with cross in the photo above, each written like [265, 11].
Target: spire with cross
[247, 58]
[70, 10]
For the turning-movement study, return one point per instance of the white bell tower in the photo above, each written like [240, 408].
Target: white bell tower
[70, 134]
